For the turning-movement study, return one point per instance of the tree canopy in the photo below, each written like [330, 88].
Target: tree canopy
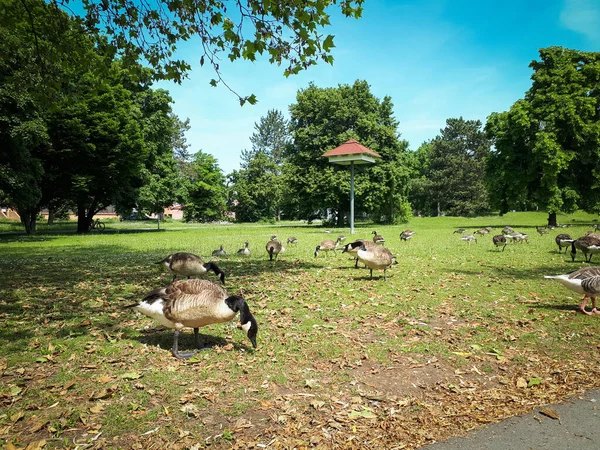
[257, 189]
[289, 33]
[324, 118]
[455, 165]
[547, 146]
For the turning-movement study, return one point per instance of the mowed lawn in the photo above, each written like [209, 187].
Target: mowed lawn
[459, 336]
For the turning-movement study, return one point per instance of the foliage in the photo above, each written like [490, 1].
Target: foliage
[272, 137]
[257, 189]
[420, 194]
[205, 192]
[30, 75]
[163, 135]
[456, 162]
[547, 146]
[324, 118]
[288, 32]
[98, 149]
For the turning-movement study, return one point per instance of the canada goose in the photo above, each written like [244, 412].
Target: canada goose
[348, 249]
[341, 238]
[220, 253]
[374, 258]
[482, 231]
[489, 228]
[563, 240]
[327, 245]
[469, 238]
[542, 230]
[244, 251]
[459, 231]
[500, 240]
[587, 244]
[377, 238]
[188, 265]
[507, 230]
[274, 247]
[518, 237]
[585, 281]
[194, 304]
[406, 235]
[292, 240]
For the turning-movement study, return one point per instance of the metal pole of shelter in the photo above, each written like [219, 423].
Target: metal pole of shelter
[352, 197]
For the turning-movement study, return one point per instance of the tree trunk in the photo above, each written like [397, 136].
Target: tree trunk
[439, 213]
[29, 219]
[552, 219]
[340, 217]
[51, 215]
[83, 222]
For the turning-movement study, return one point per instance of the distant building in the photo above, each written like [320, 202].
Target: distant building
[10, 214]
[175, 211]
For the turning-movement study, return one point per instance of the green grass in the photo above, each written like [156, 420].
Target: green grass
[327, 334]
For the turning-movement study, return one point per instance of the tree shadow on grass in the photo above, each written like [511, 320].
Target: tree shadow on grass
[517, 272]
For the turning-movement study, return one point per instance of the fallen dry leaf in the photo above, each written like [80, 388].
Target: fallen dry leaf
[97, 409]
[36, 445]
[549, 412]
[37, 426]
[14, 418]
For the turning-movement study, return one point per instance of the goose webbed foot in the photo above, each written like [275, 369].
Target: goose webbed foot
[583, 305]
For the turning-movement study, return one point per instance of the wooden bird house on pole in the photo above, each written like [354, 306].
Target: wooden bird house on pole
[349, 154]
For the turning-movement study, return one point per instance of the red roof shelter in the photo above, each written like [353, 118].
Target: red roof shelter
[349, 154]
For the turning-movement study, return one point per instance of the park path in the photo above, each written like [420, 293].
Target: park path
[577, 428]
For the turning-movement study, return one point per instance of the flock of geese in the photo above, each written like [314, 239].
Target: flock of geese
[195, 303]
[584, 281]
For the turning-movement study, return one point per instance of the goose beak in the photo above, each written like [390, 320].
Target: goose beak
[253, 340]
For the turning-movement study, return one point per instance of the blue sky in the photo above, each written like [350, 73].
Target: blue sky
[436, 59]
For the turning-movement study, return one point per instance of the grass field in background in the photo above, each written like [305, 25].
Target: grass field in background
[459, 336]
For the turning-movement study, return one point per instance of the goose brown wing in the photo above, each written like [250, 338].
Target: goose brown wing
[585, 272]
[183, 259]
[591, 285]
[189, 301]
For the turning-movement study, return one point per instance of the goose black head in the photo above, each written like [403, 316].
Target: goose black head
[251, 329]
[247, 320]
[352, 245]
[573, 251]
[317, 250]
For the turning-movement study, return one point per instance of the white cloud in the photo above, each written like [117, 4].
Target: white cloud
[582, 16]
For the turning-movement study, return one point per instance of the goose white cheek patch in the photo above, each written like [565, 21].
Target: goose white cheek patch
[246, 327]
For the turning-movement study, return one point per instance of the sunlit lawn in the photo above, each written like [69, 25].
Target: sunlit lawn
[459, 335]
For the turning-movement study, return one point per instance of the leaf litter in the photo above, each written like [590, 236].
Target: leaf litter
[379, 369]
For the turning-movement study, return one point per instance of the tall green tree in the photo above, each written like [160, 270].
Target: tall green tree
[456, 165]
[205, 191]
[163, 135]
[39, 53]
[257, 188]
[421, 194]
[271, 137]
[98, 148]
[324, 118]
[547, 146]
